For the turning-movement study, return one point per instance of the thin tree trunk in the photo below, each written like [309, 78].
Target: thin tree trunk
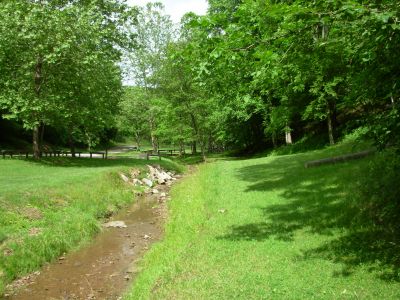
[194, 147]
[288, 138]
[288, 135]
[181, 148]
[274, 140]
[154, 142]
[35, 140]
[330, 131]
[38, 85]
[138, 140]
[330, 126]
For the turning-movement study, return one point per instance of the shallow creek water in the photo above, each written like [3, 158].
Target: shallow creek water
[105, 268]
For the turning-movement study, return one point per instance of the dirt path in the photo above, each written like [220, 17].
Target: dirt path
[106, 267]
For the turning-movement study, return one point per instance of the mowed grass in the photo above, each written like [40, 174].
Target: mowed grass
[54, 205]
[268, 228]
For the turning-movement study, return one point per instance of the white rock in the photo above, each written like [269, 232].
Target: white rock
[155, 191]
[147, 182]
[115, 224]
[137, 181]
[124, 177]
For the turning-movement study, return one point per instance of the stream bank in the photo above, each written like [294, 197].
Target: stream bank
[104, 268]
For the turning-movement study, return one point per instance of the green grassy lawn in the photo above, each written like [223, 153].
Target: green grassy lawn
[54, 205]
[267, 228]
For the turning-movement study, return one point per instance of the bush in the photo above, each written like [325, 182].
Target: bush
[380, 190]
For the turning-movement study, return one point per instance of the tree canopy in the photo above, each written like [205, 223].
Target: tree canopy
[247, 75]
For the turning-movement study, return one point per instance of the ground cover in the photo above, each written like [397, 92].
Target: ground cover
[51, 206]
[267, 228]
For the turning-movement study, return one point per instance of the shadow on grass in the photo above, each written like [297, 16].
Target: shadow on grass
[86, 162]
[83, 162]
[319, 201]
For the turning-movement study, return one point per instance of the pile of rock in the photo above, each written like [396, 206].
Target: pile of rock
[155, 176]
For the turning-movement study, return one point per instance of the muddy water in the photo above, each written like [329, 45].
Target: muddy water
[105, 268]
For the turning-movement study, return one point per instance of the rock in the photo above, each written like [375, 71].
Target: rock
[222, 211]
[135, 173]
[147, 237]
[137, 182]
[115, 224]
[124, 177]
[155, 191]
[157, 174]
[147, 182]
[163, 195]
[153, 172]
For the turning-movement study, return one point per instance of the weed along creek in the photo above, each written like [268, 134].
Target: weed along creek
[106, 267]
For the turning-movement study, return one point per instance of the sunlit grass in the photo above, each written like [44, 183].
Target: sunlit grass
[268, 228]
[54, 205]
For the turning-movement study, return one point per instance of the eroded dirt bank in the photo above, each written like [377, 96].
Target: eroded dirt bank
[106, 267]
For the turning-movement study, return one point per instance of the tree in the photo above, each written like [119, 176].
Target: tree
[153, 32]
[48, 48]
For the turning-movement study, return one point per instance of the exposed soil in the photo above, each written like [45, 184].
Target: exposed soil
[106, 267]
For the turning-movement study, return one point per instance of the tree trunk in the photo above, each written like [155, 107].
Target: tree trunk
[41, 138]
[330, 131]
[181, 148]
[274, 140]
[35, 140]
[38, 86]
[330, 125]
[138, 140]
[154, 142]
[194, 147]
[288, 136]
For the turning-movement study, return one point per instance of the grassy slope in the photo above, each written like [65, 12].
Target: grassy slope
[70, 194]
[287, 233]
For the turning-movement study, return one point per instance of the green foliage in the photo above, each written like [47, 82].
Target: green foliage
[58, 64]
[379, 191]
[300, 65]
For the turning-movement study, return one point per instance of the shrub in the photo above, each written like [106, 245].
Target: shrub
[380, 190]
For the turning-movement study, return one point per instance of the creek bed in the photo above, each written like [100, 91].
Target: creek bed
[104, 268]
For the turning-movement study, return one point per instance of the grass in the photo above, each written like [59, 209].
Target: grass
[267, 228]
[55, 205]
